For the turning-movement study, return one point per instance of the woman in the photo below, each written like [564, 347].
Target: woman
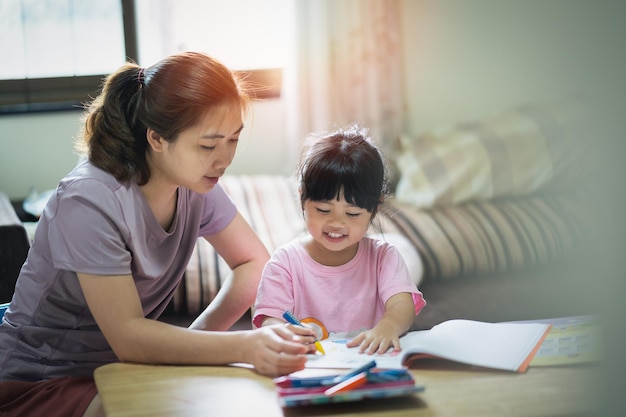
[115, 238]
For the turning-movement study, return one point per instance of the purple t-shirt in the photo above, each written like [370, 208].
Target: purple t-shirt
[94, 224]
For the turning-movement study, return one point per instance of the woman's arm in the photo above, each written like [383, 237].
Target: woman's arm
[246, 255]
[116, 307]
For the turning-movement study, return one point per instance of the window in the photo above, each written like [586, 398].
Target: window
[59, 50]
[248, 35]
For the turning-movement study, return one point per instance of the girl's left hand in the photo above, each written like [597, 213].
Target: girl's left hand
[376, 340]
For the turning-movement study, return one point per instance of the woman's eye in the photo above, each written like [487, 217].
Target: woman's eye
[208, 148]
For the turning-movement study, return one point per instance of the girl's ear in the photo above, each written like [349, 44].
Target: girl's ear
[155, 141]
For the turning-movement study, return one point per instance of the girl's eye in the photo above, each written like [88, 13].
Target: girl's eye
[353, 214]
[322, 210]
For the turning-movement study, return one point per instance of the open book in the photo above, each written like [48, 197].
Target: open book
[505, 346]
[571, 340]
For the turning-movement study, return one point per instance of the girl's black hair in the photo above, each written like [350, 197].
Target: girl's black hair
[345, 162]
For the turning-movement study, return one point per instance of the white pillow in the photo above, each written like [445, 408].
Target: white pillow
[408, 251]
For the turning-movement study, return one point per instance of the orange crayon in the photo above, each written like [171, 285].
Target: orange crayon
[347, 385]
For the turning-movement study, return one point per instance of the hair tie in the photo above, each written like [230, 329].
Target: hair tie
[140, 78]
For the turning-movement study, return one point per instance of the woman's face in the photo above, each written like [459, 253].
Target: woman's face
[201, 153]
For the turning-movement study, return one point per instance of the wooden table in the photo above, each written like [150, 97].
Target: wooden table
[141, 390]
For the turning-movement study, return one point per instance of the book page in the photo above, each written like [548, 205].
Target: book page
[494, 345]
[571, 340]
[341, 357]
[504, 346]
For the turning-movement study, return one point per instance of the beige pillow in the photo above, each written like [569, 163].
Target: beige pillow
[516, 153]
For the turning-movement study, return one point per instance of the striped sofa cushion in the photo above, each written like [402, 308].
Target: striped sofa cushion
[482, 238]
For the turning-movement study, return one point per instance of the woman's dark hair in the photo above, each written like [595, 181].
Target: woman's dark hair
[169, 97]
[344, 162]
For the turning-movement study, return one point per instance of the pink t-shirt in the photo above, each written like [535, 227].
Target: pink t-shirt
[344, 298]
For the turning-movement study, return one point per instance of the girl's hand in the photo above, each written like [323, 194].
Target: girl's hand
[377, 340]
[398, 317]
[278, 349]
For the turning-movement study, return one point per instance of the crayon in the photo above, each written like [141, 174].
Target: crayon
[287, 315]
[349, 384]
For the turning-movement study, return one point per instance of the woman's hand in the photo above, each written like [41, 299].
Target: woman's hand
[303, 330]
[278, 349]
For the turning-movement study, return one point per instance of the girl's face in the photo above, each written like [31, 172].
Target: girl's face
[201, 153]
[335, 227]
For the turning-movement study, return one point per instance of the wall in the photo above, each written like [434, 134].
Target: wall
[470, 59]
[37, 150]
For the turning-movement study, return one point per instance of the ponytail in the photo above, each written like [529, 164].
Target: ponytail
[168, 97]
[111, 131]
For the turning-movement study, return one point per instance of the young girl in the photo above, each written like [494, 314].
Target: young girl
[337, 277]
[115, 238]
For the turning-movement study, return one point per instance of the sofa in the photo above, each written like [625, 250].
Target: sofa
[518, 278]
[491, 216]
